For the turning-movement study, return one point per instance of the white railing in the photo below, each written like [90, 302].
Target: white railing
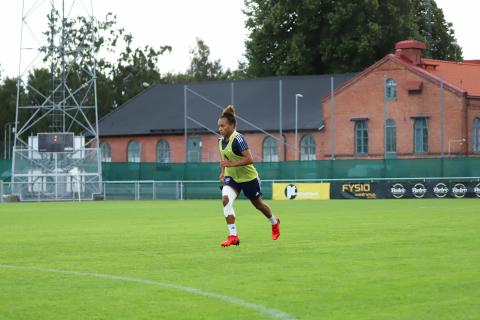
[182, 190]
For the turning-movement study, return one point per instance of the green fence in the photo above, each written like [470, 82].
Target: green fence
[323, 169]
[289, 170]
[5, 169]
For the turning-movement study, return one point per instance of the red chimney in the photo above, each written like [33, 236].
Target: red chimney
[410, 50]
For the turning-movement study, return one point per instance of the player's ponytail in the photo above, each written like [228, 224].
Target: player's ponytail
[229, 114]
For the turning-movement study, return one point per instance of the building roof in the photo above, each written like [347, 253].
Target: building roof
[453, 80]
[465, 75]
[160, 108]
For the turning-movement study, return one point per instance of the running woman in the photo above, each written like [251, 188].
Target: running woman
[237, 174]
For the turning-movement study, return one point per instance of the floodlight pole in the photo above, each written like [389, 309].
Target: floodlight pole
[298, 95]
[67, 105]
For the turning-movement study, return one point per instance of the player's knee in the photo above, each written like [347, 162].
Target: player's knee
[225, 200]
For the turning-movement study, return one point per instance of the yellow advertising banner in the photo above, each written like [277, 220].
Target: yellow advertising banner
[301, 191]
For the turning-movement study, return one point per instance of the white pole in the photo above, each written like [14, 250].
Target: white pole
[384, 117]
[185, 132]
[442, 118]
[78, 187]
[332, 115]
[296, 127]
[298, 95]
[280, 102]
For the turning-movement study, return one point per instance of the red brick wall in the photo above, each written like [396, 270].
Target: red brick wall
[118, 146]
[361, 99]
[364, 99]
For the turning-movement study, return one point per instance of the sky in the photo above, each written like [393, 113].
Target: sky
[220, 23]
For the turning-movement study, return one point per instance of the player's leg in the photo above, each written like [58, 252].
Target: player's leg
[229, 194]
[253, 192]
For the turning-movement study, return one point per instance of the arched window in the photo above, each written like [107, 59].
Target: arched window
[361, 137]
[420, 132]
[476, 135]
[134, 151]
[391, 131]
[163, 151]
[308, 150]
[105, 152]
[270, 150]
[391, 89]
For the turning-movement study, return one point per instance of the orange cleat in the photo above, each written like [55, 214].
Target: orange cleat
[276, 230]
[231, 240]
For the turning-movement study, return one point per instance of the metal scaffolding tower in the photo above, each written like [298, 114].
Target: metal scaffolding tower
[56, 147]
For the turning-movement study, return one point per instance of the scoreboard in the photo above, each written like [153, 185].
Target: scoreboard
[55, 142]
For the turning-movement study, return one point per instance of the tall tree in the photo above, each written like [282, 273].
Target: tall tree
[202, 68]
[8, 103]
[322, 36]
[436, 32]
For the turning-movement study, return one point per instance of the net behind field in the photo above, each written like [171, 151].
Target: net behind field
[321, 169]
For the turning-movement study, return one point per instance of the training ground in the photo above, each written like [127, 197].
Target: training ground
[382, 259]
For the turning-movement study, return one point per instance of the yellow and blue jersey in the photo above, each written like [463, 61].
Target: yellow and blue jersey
[231, 149]
[239, 144]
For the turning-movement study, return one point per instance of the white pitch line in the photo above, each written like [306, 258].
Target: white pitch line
[274, 313]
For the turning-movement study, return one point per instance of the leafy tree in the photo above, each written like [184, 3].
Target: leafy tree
[323, 36]
[436, 32]
[8, 103]
[203, 68]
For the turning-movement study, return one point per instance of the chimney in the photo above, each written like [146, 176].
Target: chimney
[410, 50]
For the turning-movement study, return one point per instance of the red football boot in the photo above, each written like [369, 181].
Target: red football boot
[276, 230]
[231, 240]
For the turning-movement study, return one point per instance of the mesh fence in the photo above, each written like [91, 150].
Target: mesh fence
[155, 181]
[168, 190]
[56, 176]
[322, 169]
[285, 170]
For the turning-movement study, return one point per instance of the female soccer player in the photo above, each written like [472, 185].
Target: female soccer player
[237, 174]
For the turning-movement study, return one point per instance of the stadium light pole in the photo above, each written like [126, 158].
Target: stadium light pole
[298, 95]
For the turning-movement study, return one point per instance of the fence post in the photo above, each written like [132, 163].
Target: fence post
[1, 191]
[280, 105]
[332, 115]
[154, 190]
[185, 124]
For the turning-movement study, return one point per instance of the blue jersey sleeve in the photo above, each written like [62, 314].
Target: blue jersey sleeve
[239, 145]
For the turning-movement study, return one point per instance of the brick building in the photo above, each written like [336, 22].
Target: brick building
[150, 126]
[429, 107]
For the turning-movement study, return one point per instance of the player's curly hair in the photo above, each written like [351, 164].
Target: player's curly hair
[229, 114]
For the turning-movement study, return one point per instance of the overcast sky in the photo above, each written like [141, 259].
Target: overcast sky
[220, 23]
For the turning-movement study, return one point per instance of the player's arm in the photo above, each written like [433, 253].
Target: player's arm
[246, 160]
[222, 173]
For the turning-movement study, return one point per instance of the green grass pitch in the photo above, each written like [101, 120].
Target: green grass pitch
[381, 259]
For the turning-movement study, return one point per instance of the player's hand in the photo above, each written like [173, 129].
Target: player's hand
[222, 177]
[225, 163]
